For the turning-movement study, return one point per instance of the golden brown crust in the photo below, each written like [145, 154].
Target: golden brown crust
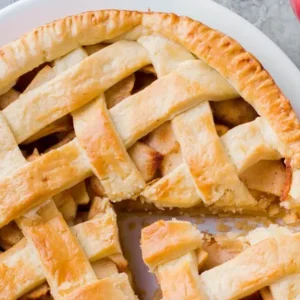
[179, 91]
[163, 241]
[179, 279]
[111, 288]
[52, 173]
[234, 63]
[170, 249]
[24, 268]
[41, 179]
[20, 264]
[107, 154]
[215, 176]
[64, 262]
[58, 97]
[55, 39]
[261, 264]
[218, 50]
[238, 66]
[238, 266]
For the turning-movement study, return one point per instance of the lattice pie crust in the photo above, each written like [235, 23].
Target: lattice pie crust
[230, 267]
[157, 110]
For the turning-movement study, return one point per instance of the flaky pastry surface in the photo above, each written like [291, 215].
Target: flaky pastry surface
[158, 142]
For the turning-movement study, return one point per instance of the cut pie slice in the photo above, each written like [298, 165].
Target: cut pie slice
[266, 257]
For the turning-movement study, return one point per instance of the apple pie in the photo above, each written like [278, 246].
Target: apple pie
[112, 111]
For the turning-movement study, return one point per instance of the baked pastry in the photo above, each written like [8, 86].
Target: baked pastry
[230, 267]
[122, 105]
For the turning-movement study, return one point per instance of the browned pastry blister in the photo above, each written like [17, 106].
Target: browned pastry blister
[150, 112]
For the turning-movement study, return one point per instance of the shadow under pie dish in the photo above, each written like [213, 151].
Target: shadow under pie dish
[132, 111]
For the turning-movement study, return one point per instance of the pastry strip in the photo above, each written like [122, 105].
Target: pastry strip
[56, 39]
[270, 259]
[182, 270]
[65, 265]
[192, 83]
[107, 155]
[110, 288]
[51, 171]
[64, 262]
[11, 157]
[58, 97]
[251, 142]
[239, 67]
[264, 262]
[212, 170]
[165, 55]
[286, 288]
[21, 269]
[173, 258]
[36, 181]
[176, 188]
[161, 241]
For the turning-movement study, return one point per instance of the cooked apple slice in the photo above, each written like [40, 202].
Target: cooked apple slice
[162, 139]
[146, 159]
[266, 176]
[233, 112]
[119, 91]
[9, 97]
